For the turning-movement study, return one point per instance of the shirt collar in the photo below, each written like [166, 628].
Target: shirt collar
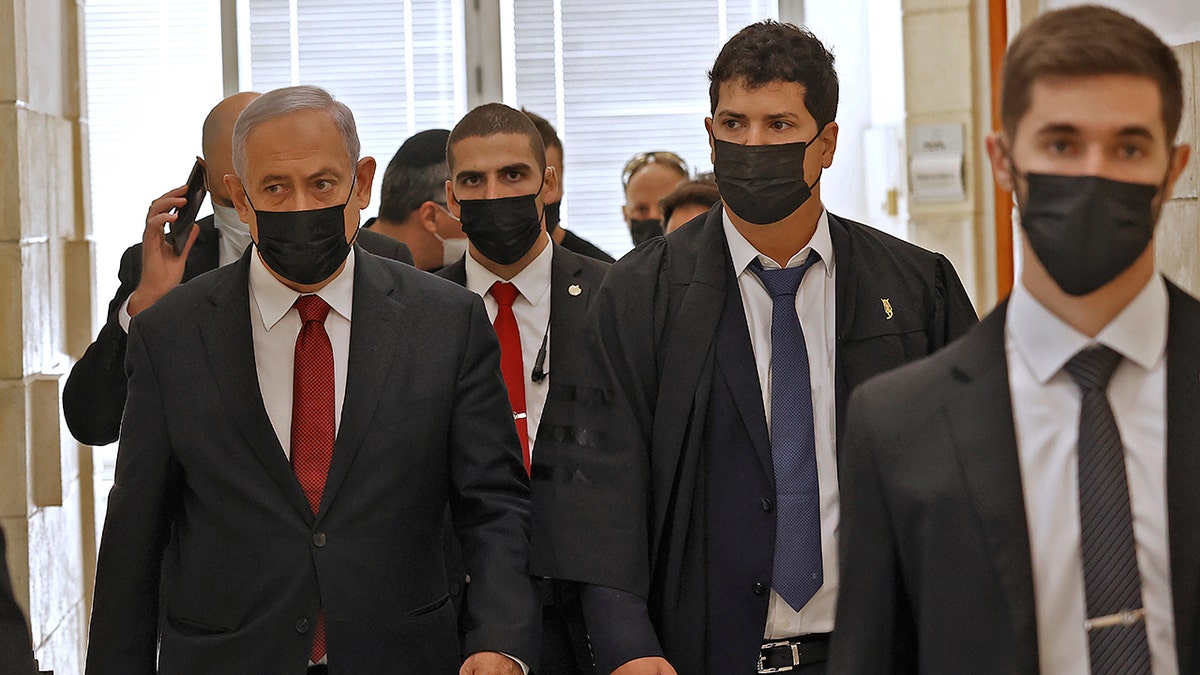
[274, 299]
[1045, 342]
[531, 282]
[743, 252]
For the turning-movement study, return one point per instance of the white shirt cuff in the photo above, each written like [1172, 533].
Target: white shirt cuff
[123, 317]
[524, 668]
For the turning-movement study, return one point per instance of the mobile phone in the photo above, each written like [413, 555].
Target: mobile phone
[186, 220]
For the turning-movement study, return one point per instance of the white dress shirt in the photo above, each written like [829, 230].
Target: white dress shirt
[1046, 406]
[532, 310]
[276, 325]
[815, 306]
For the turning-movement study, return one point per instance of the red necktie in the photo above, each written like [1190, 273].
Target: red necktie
[313, 424]
[510, 359]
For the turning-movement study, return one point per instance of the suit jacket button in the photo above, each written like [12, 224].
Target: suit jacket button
[759, 588]
[301, 625]
[767, 504]
[318, 539]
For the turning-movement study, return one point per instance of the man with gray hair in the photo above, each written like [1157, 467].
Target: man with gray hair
[94, 395]
[257, 524]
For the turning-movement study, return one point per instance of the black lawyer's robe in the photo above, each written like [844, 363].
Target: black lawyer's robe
[619, 494]
[933, 513]
[16, 649]
[206, 500]
[94, 395]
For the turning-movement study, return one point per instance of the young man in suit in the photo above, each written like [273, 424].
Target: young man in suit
[1024, 501]
[94, 395]
[536, 293]
[695, 492]
[298, 422]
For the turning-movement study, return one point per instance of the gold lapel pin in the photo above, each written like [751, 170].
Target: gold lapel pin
[574, 289]
[887, 308]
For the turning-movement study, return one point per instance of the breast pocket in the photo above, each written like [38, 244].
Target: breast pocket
[865, 358]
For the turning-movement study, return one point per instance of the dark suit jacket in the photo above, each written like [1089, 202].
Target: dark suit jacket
[16, 649]
[205, 496]
[567, 311]
[938, 576]
[577, 244]
[567, 344]
[94, 395]
[619, 495]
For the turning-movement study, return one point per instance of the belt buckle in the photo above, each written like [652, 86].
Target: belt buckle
[762, 657]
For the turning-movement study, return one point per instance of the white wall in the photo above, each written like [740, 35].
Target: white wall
[1177, 21]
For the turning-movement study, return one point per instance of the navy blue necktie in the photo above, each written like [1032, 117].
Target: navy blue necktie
[797, 573]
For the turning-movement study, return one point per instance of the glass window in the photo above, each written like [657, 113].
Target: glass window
[618, 78]
[398, 64]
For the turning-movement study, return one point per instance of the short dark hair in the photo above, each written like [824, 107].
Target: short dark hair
[490, 119]
[546, 130]
[699, 192]
[416, 174]
[770, 51]
[1086, 41]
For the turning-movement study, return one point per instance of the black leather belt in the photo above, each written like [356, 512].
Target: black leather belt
[781, 656]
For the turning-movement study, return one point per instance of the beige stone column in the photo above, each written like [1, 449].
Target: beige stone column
[946, 82]
[1178, 240]
[46, 504]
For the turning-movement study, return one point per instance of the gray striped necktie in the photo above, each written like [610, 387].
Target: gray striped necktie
[1112, 584]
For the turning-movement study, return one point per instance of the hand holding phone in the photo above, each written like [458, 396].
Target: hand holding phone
[186, 215]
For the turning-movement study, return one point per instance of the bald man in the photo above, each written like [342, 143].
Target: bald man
[94, 396]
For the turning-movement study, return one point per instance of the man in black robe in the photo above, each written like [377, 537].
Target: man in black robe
[663, 481]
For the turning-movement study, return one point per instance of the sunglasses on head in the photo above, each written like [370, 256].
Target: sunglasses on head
[658, 157]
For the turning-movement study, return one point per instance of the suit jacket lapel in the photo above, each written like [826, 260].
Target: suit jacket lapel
[695, 279]
[206, 252]
[735, 361]
[456, 272]
[844, 294]
[229, 340]
[568, 304]
[376, 329]
[1183, 466]
[979, 411]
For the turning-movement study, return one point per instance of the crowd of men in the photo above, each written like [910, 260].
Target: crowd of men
[772, 440]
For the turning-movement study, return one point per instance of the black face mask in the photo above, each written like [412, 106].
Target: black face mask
[1087, 230]
[304, 247]
[642, 229]
[503, 229]
[553, 215]
[762, 184]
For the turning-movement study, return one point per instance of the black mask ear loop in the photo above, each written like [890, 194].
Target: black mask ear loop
[353, 182]
[820, 171]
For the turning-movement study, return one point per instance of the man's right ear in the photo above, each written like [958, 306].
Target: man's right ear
[712, 152]
[998, 149]
[427, 214]
[452, 201]
[238, 194]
